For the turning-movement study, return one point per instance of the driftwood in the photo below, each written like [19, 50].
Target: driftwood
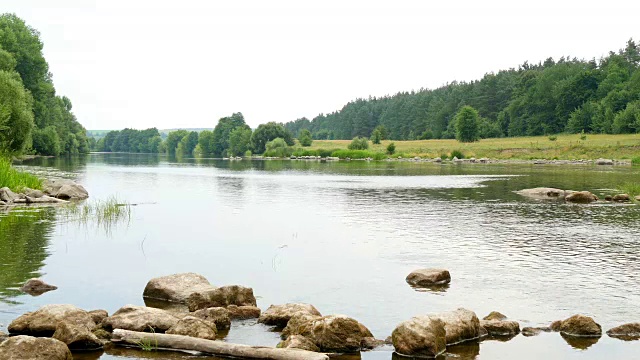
[214, 347]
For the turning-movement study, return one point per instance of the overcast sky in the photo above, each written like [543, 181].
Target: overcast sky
[186, 63]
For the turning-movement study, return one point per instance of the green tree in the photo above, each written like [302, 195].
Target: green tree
[222, 132]
[205, 141]
[376, 136]
[278, 147]
[628, 120]
[16, 118]
[267, 132]
[46, 141]
[189, 143]
[467, 124]
[172, 140]
[391, 148]
[239, 141]
[359, 143]
[305, 138]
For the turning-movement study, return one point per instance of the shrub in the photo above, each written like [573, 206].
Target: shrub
[391, 148]
[278, 148]
[376, 136]
[466, 124]
[635, 160]
[553, 137]
[444, 156]
[457, 153]
[359, 143]
[324, 152]
[305, 137]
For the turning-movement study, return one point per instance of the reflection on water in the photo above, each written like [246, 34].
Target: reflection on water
[343, 236]
[580, 343]
[24, 237]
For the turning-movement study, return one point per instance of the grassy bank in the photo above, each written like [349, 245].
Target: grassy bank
[564, 147]
[16, 180]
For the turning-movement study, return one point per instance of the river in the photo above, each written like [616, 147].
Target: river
[341, 236]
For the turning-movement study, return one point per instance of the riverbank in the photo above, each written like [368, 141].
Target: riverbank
[564, 147]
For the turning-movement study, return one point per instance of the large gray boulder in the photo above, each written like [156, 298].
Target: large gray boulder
[296, 323]
[7, 195]
[460, 325]
[279, 315]
[140, 318]
[218, 316]
[65, 189]
[36, 287]
[28, 348]
[501, 327]
[194, 327]
[578, 326]
[335, 333]
[77, 337]
[428, 277]
[243, 312]
[176, 287]
[298, 342]
[221, 297]
[45, 320]
[421, 336]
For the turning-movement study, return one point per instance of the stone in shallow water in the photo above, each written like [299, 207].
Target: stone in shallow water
[501, 327]
[298, 342]
[578, 325]
[77, 337]
[495, 315]
[630, 331]
[279, 315]
[194, 327]
[420, 336]
[221, 297]
[44, 321]
[243, 312]
[36, 287]
[218, 316]
[24, 347]
[140, 318]
[582, 197]
[428, 277]
[176, 287]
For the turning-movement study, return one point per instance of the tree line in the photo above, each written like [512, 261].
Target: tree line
[33, 118]
[231, 137]
[567, 95]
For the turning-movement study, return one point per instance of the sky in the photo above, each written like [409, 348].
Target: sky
[187, 63]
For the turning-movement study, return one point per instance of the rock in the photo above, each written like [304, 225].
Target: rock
[194, 327]
[501, 327]
[45, 320]
[578, 325]
[28, 348]
[438, 160]
[2, 203]
[630, 331]
[495, 315]
[533, 331]
[7, 195]
[604, 162]
[77, 337]
[3, 337]
[428, 277]
[218, 316]
[422, 336]
[32, 193]
[176, 287]
[102, 334]
[295, 324]
[65, 189]
[583, 197]
[298, 342]
[460, 325]
[370, 343]
[608, 198]
[637, 198]
[555, 326]
[484, 160]
[621, 198]
[36, 287]
[140, 318]
[98, 315]
[222, 297]
[543, 193]
[243, 312]
[279, 315]
[335, 333]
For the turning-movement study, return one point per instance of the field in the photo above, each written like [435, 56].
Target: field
[565, 147]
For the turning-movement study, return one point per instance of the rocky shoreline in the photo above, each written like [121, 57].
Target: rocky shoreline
[57, 191]
[197, 311]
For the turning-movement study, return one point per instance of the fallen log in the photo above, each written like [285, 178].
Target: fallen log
[214, 347]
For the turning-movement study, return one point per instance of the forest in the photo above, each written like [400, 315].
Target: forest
[33, 118]
[567, 95]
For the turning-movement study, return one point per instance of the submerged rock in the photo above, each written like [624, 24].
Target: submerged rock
[583, 197]
[77, 337]
[298, 342]
[221, 297]
[428, 277]
[176, 287]
[194, 327]
[243, 312]
[140, 318]
[630, 331]
[218, 316]
[279, 315]
[533, 331]
[501, 327]
[45, 321]
[543, 193]
[420, 336]
[27, 348]
[36, 287]
[578, 325]
[621, 198]
[495, 315]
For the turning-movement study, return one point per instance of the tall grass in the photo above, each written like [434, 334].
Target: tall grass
[630, 188]
[17, 180]
[105, 213]
[635, 160]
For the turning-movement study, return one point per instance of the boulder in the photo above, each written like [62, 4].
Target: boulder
[28, 348]
[36, 287]
[495, 315]
[45, 320]
[7, 195]
[604, 162]
[33, 193]
[218, 316]
[140, 318]
[3, 337]
[335, 333]
[2, 203]
[279, 315]
[428, 277]
[533, 331]
[637, 198]
[243, 312]
[421, 336]
[64, 189]
[77, 337]
[583, 197]
[630, 331]
[621, 198]
[578, 325]
[194, 327]
[296, 323]
[460, 325]
[298, 342]
[543, 193]
[176, 287]
[98, 315]
[501, 327]
[221, 297]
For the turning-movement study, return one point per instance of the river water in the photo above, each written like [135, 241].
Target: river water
[342, 236]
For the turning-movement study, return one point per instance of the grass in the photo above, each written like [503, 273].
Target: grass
[630, 188]
[635, 160]
[105, 213]
[565, 147]
[147, 344]
[17, 180]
